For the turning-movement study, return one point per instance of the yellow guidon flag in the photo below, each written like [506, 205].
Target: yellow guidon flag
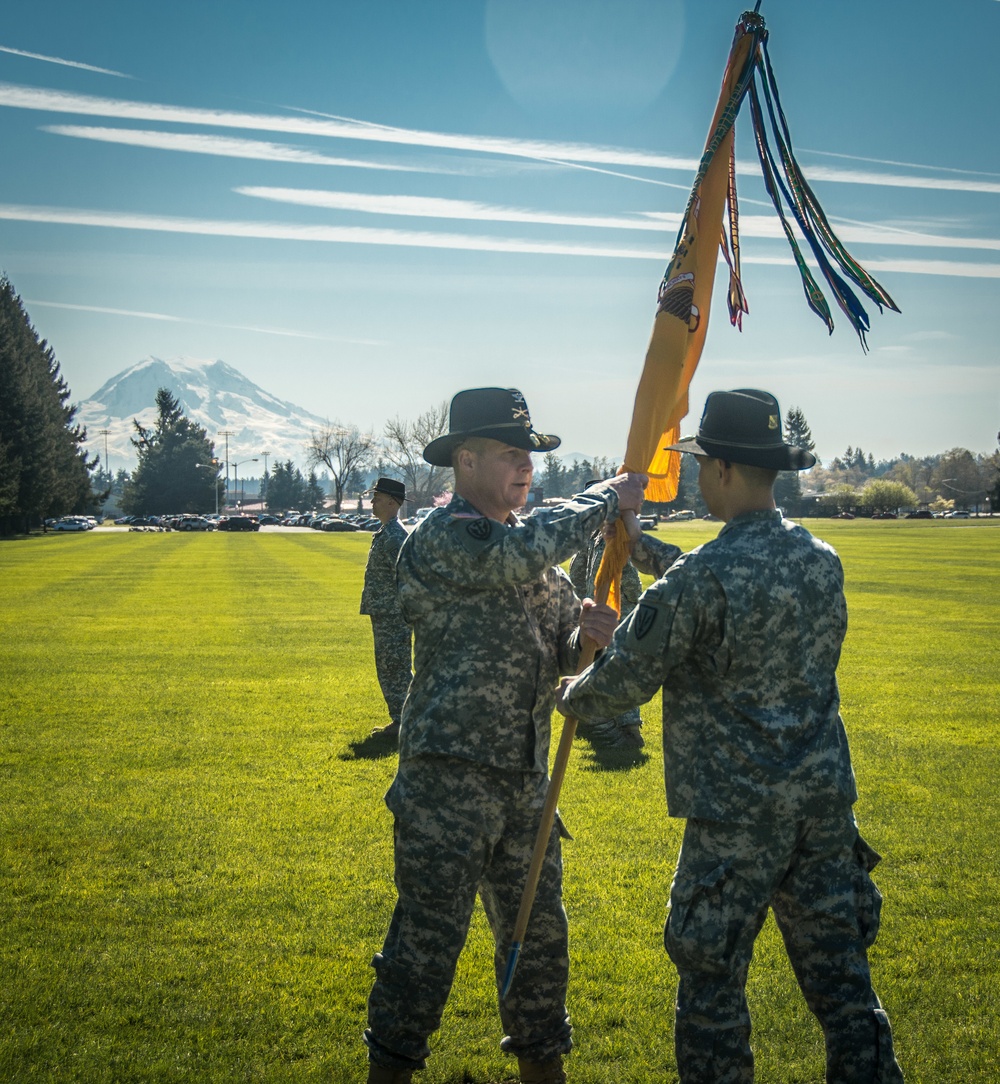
[685, 295]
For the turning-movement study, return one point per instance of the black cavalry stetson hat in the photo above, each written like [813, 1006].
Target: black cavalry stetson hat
[744, 426]
[391, 487]
[498, 413]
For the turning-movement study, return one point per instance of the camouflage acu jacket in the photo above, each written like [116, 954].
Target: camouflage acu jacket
[744, 635]
[379, 598]
[494, 626]
[650, 556]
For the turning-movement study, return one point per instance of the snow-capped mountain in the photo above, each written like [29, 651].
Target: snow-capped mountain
[211, 393]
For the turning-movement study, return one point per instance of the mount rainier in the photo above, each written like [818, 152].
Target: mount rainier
[211, 393]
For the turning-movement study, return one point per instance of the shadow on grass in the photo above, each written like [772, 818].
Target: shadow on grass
[606, 758]
[374, 747]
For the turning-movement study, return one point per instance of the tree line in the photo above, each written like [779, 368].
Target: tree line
[45, 470]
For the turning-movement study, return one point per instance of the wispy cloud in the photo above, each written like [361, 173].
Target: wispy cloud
[464, 210]
[906, 165]
[224, 146]
[895, 180]
[65, 63]
[138, 314]
[22, 97]
[650, 221]
[361, 235]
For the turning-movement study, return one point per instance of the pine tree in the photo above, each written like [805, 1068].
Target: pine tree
[44, 470]
[171, 475]
[788, 487]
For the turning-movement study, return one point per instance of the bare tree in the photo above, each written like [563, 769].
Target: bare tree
[403, 446]
[342, 449]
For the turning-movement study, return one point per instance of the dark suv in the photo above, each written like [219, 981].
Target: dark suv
[238, 523]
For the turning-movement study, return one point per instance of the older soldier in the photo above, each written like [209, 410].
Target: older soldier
[744, 636]
[654, 558]
[391, 633]
[495, 624]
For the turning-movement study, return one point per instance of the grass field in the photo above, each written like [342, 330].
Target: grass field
[195, 863]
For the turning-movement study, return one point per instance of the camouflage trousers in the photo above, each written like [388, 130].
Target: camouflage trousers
[608, 730]
[462, 828]
[393, 660]
[814, 874]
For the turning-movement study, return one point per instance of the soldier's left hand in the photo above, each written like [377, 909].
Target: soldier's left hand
[564, 684]
[598, 621]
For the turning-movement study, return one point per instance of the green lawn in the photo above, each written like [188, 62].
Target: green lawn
[195, 864]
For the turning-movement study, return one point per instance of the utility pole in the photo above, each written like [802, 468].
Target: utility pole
[227, 433]
[107, 466]
[262, 488]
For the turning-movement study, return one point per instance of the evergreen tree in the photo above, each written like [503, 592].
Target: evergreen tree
[995, 468]
[788, 486]
[170, 475]
[553, 479]
[315, 493]
[44, 469]
[287, 489]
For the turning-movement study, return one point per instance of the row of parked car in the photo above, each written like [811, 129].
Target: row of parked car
[920, 513]
[71, 523]
[323, 521]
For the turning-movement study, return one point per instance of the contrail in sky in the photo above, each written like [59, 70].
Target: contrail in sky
[362, 235]
[57, 101]
[649, 221]
[65, 63]
[203, 323]
[222, 146]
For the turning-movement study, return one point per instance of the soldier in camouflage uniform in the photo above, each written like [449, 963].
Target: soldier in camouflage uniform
[495, 624]
[744, 636]
[656, 558]
[390, 632]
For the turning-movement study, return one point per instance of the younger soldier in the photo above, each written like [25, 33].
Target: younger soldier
[744, 636]
[393, 650]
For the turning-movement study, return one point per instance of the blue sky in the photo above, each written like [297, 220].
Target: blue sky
[366, 207]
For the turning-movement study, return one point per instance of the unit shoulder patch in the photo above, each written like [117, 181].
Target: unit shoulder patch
[649, 627]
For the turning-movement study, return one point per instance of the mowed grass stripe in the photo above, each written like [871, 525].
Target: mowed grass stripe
[195, 861]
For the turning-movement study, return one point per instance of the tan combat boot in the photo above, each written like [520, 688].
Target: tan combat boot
[542, 1072]
[378, 1074]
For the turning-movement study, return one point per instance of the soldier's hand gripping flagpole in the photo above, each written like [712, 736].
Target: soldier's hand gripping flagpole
[587, 652]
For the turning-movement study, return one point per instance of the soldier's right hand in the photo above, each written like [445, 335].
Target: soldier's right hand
[630, 486]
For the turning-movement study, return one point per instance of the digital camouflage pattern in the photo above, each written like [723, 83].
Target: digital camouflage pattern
[654, 558]
[440, 866]
[390, 632]
[378, 596]
[744, 635]
[393, 660]
[495, 625]
[814, 873]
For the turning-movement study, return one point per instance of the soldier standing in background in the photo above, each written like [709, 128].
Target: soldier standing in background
[495, 623]
[379, 600]
[654, 558]
[744, 636]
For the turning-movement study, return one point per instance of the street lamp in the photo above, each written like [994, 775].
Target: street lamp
[215, 484]
[236, 478]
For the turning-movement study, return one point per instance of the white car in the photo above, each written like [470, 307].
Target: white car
[70, 523]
